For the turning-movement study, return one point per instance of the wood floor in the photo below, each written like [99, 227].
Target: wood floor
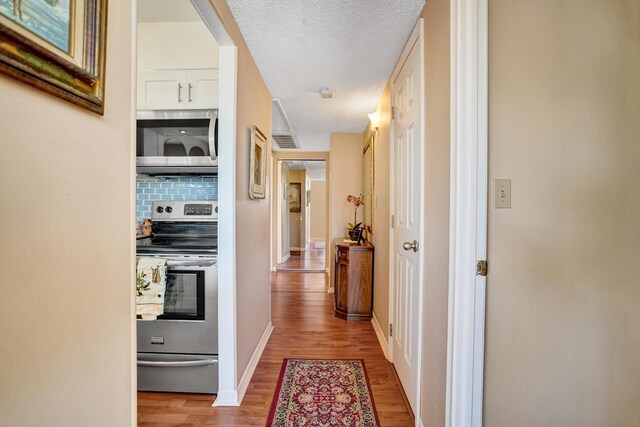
[311, 260]
[305, 327]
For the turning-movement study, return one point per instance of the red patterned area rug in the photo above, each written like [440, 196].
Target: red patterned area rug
[323, 393]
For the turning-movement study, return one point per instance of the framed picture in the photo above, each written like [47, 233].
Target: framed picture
[57, 46]
[294, 193]
[258, 164]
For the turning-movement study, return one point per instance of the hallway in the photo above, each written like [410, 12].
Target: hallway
[305, 327]
[310, 260]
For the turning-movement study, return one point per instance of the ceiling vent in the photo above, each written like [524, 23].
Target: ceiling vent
[281, 130]
[286, 142]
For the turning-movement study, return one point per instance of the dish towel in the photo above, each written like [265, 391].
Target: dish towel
[151, 283]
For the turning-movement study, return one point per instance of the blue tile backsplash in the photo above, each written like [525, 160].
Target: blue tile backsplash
[150, 188]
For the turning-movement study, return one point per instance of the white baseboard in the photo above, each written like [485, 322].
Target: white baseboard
[253, 362]
[285, 258]
[419, 422]
[295, 248]
[226, 398]
[378, 330]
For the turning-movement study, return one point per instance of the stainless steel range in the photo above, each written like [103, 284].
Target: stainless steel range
[179, 351]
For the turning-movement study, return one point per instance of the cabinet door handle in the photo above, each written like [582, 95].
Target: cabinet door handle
[190, 92]
[179, 92]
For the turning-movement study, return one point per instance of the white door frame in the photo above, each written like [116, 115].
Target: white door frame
[468, 213]
[227, 339]
[416, 38]
[275, 212]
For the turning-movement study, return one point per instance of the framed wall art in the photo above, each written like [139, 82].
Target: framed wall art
[295, 197]
[258, 164]
[57, 46]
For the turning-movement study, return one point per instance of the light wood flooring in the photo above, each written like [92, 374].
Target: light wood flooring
[305, 327]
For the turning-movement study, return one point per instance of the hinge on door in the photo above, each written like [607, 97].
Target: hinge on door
[393, 113]
[481, 268]
[393, 221]
[390, 329]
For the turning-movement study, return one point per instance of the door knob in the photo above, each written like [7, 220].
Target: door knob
[410, 245]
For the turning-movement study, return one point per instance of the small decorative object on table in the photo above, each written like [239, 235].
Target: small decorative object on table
[355, 228]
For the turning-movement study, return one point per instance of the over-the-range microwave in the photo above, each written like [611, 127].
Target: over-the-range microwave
[177, 142]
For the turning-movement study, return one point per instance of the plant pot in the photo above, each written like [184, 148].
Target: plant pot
[354, 234]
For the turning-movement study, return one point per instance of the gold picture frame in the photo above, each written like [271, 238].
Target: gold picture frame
[368, 184]
[57, 46]
[258, 164]
[294, 193]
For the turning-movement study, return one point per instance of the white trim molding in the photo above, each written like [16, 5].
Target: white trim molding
[284, 259]
[378, 330]
[468, 232]
[227, 328]
[253, 362]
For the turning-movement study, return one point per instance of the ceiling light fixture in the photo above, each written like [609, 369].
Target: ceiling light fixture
[374, 118]
[327, 93]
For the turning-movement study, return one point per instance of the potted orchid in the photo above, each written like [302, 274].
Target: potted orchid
[355, 229]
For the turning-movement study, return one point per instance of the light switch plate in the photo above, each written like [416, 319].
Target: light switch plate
[502, 193]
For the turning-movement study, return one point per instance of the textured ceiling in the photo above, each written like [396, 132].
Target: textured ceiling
[301, 46]
[315, 168]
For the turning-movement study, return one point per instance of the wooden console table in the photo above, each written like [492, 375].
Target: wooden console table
[353, 280]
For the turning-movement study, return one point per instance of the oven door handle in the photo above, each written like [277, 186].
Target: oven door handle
[198, 263]
[177, 364]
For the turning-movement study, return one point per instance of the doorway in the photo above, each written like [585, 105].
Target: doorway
[301, 215]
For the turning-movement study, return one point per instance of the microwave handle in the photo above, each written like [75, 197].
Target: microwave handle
[196, 263]
[213, 137]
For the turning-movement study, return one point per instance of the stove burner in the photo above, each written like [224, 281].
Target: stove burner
[182, 227]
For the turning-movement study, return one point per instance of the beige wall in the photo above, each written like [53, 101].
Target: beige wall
[381, 217]
[175, 45]
[346, 178]
[67, 250]
[436, 212]
[318, 211]
[563, 298]
[253, 294]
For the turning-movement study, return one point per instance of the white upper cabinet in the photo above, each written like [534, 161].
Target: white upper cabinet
[202, 88]
[177, 66]
[178, 89]
[161, 89]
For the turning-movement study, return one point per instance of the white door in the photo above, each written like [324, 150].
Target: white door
[407, 213]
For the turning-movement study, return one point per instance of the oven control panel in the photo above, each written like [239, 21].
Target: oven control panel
[173, 210]
[198, 209]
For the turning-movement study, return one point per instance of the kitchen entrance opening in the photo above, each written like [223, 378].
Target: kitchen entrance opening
[186, 70]
[302, 214]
